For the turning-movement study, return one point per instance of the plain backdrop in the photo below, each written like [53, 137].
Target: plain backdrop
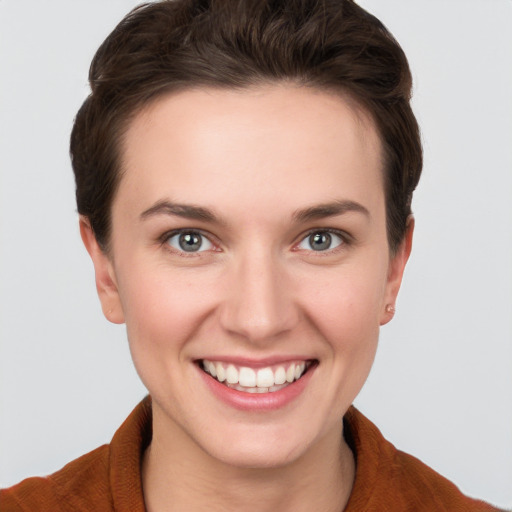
[441, 387]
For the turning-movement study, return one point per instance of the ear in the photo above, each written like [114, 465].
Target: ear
[106, 285]
[396, 271]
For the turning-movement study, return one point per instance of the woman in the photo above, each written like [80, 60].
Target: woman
[244, 179]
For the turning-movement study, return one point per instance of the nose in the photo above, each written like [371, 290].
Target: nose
[259, 302]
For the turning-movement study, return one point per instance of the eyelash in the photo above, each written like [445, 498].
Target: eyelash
[167, 236]
[346, 241]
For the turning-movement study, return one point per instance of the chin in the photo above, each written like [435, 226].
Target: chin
[259, 446]
[261, 455]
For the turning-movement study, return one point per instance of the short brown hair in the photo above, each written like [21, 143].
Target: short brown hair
[177, 44]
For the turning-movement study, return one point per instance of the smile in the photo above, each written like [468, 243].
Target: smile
[261, 380]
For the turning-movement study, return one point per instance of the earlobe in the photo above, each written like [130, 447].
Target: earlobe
[396, 272]
[106, 285]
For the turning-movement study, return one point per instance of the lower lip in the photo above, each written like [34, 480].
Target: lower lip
[257, 401]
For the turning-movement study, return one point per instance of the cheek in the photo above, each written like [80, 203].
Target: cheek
[162, 312]
[352, 332]
[346, 300]
[349, 322]
[346, 310]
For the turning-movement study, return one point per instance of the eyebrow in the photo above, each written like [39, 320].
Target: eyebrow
[329, 210]
[188, 211]
[194, 212]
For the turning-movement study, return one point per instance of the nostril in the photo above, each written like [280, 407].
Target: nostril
[258, 304]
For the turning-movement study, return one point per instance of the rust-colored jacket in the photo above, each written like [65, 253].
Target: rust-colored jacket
[108, 479]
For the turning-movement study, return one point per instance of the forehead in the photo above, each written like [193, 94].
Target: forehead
[266, 144]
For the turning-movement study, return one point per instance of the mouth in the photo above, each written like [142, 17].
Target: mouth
[267, 379]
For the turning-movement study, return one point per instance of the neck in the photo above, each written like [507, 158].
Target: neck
[175, 479]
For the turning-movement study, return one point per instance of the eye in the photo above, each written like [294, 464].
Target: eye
[321, 241]
[190, 241]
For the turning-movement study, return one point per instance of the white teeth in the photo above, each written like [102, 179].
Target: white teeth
[247, 377]
[232, 374]
[221, 374]
[277, 388]
[280, 376]
[212, 369]
[264, 380]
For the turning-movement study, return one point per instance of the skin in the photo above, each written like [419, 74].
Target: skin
[253, 158]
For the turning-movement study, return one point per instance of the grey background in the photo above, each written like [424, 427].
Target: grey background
[441, 387]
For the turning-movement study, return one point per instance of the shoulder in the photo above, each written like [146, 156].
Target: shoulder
[83, 484]
[420, 484]
[103, 480]
[388, 479]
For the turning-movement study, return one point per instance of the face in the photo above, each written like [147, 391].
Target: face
[249, 246]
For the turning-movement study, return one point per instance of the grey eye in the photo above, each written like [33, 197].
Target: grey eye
[321, 241]
[190, 241]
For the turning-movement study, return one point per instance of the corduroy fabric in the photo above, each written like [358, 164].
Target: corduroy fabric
[108, 479]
